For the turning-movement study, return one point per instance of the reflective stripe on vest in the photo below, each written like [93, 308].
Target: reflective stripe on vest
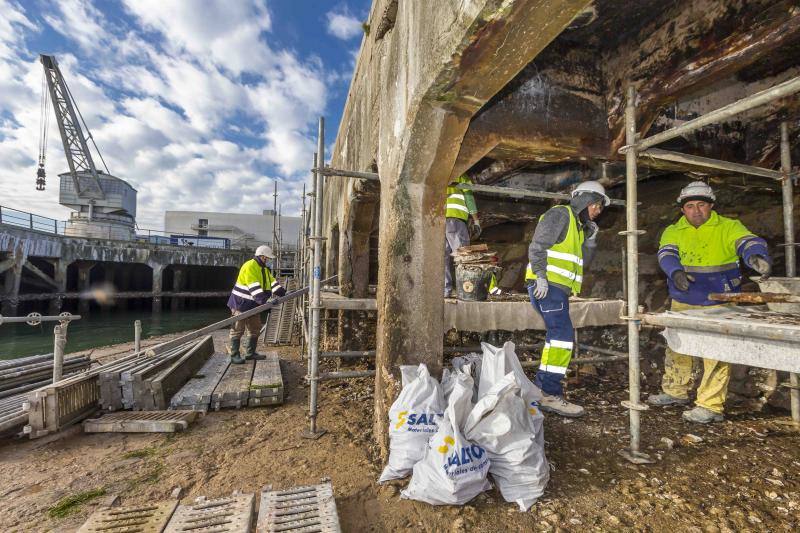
[565, 259]
[456, 206]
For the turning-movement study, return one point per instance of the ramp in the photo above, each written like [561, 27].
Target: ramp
[300, 509]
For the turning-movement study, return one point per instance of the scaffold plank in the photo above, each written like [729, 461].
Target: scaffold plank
[141, 422]
[147, 518]
[233, 389]
[196, 393]
[221, 515]
[266, 387]
[310, 508]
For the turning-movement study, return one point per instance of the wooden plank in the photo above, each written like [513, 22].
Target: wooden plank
[170, 381]
[233, 389]
[350, 304]
[267, 381]
[142, 394]
[300, 509]
[221, 515]
[145, 518]
[141, 422]
[196, 393]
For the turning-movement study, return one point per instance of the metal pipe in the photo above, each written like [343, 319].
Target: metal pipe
[315, 288]
[632, 271]
[711, 164]
[719, 115]
[137, 335]
[488, 189]
[353, 374]
[37, 319]
[449, 350]
[59, 342]
[789, 250]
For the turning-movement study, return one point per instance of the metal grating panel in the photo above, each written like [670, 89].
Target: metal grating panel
[305, 509]
[131, 519]
[141, 422]
[221, 515]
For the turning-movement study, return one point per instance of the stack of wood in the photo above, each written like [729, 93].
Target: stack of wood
[475, 255]
[151, 382]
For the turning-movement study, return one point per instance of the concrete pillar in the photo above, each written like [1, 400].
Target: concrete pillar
[84, 269]
[158, 271]
[178, 273]
[13, 279]
[60, 277]
[428, 94]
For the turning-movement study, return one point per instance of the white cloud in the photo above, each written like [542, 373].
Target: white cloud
[168, 90]
[343, 25]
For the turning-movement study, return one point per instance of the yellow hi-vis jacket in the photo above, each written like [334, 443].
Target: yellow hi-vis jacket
[254, 285]
[565, 258]
[460, 203]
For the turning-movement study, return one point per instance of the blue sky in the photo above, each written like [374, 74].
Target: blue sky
[199, 104]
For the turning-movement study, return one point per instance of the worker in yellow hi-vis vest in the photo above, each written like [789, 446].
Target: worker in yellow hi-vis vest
[562, 245]
[459, 208]
[700, 255]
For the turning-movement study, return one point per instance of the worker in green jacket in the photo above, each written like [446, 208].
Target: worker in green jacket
[459, 208]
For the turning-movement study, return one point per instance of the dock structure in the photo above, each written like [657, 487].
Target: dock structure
[40, 266]
[530, 99]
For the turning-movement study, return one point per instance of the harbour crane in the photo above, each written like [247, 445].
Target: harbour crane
[105, 205]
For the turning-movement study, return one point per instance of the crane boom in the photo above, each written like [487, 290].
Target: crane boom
[76, 149]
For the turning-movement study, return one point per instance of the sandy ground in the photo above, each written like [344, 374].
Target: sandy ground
[744, 475]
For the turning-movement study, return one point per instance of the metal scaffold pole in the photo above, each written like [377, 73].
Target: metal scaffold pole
[313, 431]
[632, 270]
[59, 343]
[308, 259]
[789, 251]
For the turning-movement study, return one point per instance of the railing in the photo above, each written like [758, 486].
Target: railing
[23, 219]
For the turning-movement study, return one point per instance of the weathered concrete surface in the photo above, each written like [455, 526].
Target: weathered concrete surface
[412, 96]
[18, 246]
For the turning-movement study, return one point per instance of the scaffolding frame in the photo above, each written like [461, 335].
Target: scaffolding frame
[643, 148]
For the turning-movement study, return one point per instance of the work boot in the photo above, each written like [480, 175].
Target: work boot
[233, 351]
[664, 399]
[250, 350]
[560, 406]
[701, 415]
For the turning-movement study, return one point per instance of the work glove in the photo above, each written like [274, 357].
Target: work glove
[591, 230]
[681, 280]
[760, 265]
[475, 230]
[541, 289]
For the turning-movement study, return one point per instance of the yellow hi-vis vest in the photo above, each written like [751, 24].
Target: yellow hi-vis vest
[457, 206]
[565, 258]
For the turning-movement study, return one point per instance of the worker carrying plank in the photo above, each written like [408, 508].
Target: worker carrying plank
[700, 255]
[254, 286]
[562, 246]
[460, 206]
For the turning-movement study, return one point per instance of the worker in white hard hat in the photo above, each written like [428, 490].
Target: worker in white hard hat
[254, 286]
[562, 247]
[700, 255]
[459, 208]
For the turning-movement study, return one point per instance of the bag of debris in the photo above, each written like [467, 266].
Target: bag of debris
[413, 419]
[496, 363]
[453, 470]
[470, 363]
[501, 423]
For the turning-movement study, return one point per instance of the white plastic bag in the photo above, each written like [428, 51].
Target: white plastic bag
[470, 363]
[413, 419]
[453, 470]
[501, 423]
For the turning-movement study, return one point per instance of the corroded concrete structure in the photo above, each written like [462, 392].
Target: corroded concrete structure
[529, 94]
[44, 259]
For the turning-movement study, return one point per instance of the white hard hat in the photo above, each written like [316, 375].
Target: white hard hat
[265, 251]
[696, 190]
[592, 186]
